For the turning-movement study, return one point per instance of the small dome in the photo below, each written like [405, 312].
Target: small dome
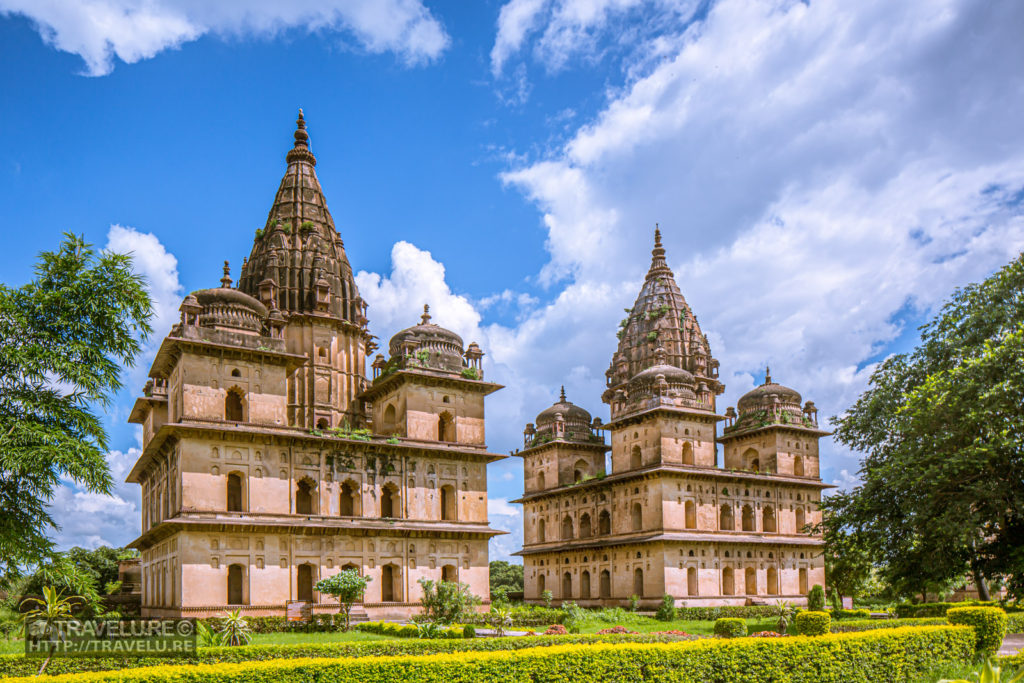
[225, 307]
[570, 412]
[443, 347]
[760, 397]
[672, 375]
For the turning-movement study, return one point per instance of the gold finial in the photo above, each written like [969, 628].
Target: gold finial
[561, 397]
[425, 318]
[225, 281]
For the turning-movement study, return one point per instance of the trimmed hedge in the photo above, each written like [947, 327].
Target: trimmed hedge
[851, 614]
[1015, 623]
[734, 611]
[938, 609]
[387, 628]
[857, 625]
[19, 665]
[989, 625]
[894, 655]
[729, 627]
[812, 623]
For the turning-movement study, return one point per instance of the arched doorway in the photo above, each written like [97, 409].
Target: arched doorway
[803, 581]
[691, 581]
[234, 492]
[540, 531]
[566, 586]
[638, 517]
[389, 504]
[751, 581]
[304, 498]
[606, 584]
[687, 453]
[449, 573]
[236, 579]
[749, 459]
[584, 525]
[636, 459]
[234, 407]
[801, 520]
[541, 483]
[585, 585]
[725, 518]
[690, 514]
[580, 470]
[773, 581]
[347, 506]
[304, 583]
[390, 583]
[445, 427]
[768, 519]
[638, 582]
[389, 419]
[748, 518]
[798, 466]
[604, 522]
[728, 582]
[448, 502]
[566, 528]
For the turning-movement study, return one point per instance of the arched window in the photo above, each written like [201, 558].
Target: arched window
[801, 520]
[322, 423]
[449, 573]
[305, 578]
[390, 583]
[448, 503]
[541, 484]
[347, 507]
[687, 453]
[691, 581]
[540, 584]
[636, 460]
[803, 581]
[798, 466]
[445, 427]
[755, 465]
[566, 528]
[390, 505]
[389, 419]
[234, 408]
[580, 470]
[638, 582]
[304, 498]
[606, 584]
[728, 582]
[773, 581]
[751, 581]
[690, 514]
[236, 373]
[749, 458]
[638, 517]
[566, 586]
[604, 523]
[540, 531]
[725, 518]
[585, 585]
[748, 518]
[235, 492]
[236, 584]
[585, 530]
[768, 519]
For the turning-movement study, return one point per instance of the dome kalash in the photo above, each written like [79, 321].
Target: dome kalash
[564, 420]
[430, 347]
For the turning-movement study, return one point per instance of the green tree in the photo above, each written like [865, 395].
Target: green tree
[943, 435]
[848, 562]
[64, 339]
[507, 575]
[446, 601]
[347, 587]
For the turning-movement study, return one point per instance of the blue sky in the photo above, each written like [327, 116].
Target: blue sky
[825, 173]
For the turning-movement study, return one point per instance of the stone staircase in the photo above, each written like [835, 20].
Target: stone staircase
[358, 615]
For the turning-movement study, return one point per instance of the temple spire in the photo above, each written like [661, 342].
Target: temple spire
[561, 396]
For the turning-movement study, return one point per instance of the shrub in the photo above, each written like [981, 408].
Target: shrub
[634, 603]
[1015, 623]
[469, 631]
[855, 625]
[851, 614]
[813, 623]
[738, 611]
[895, 655]
[938, 609]
[546, 596]
[446, 601]
[347, 586]
[816, 599]
[667, 611]
[574, 616]
[989, 625]
[728, 627]
[556, 630]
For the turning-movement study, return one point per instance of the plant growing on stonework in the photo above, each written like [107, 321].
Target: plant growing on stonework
[236, 630]
[667, 610]
[547, 596]
[446, 602]
[306, 227]
[259, 233]
[470, 373]
[287, 227]
[393, 440]
[816, 599]
[347, 587]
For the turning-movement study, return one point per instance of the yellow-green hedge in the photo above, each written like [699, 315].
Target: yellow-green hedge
[812, 623]
[989, 625]
[854, 625]
[729, 627]
[891, 655]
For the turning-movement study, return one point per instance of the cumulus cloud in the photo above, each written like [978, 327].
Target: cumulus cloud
[158, 266]
[133, 30]
[506, 517]
[94, 519]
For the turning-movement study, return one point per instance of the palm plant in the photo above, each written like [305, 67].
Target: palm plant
[785, 614]
[500, 618]
[236, 630]
[990, 673]
[427, 629]
[44, 614]
[207, 637]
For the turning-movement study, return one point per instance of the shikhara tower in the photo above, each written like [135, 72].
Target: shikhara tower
[668, 517]
[270, 460]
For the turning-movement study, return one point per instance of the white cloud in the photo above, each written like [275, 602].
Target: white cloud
[501, 506]
[515, 20]
[133, 30]
[160, 268]
[93, 519]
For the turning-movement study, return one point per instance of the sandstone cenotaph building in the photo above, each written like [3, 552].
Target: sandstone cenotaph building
[270, 460]
[668, 517]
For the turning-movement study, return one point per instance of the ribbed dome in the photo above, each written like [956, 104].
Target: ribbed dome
[670, 372]
[760, 398]
[299, 247]
[224, 307]
[435, 347]
[570, 412]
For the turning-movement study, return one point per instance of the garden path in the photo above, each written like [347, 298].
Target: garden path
[1012, 644]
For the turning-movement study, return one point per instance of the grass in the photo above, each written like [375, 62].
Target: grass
[327, 637]
[14, 646]
[697, 628]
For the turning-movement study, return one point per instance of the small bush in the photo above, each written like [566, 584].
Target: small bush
[667, 610]
[816, 599]
[851, 614]
[813, 623]
[730, 628]
[989, 624]
[634, 603]
[737, 611]
[1015, 623]
[469, 631]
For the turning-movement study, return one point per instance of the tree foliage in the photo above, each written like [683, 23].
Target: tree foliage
[446, 602]
[507, 575]
[347, 587]
[942, 430]
[64, 339]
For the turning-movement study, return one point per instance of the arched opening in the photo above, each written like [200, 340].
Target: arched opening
[445, 427]
[636, 460]
[347, 507]
[755, 465]
[234, 408]
[638, 582]
[749, 458]
[773, 581]
[604, 523]
[234, 492]
[389, 502]
[751, 581]
[236, 577]
[304, 498]
[691, 581]
[448, 503]
[690, 514]
[585, 530]
[638, 517]
[540, 584]
[449, 573]
[540, 531]
[541, 483]
[585, 585]
[801, 520]
[389, 419]
[803, 581]
[390, 583]
[580, 470]
[687, 453]
[606, 584]
[322, 423]
[768, 520]
[748, 518]
[304, 583]
[566, 528]
[566, 586]
[725, 518]
[236, 373]
[798, 466]
[728, 582]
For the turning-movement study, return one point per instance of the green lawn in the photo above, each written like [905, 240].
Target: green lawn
[14, 646]
[329, 637]
[697, 628]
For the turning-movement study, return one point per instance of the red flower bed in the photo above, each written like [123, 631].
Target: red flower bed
[614, 630]
[767, 634]
[556, 630]
[672, 633]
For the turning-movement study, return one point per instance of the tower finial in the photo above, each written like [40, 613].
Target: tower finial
[425, 318]
[561, 396]
[658, 266]
[657, 235]
[767, 375]
[225, 281]
[300, 150]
